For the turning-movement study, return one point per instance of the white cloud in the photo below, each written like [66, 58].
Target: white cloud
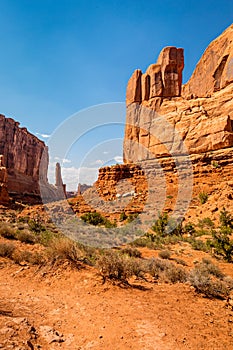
[66, 161]
[105, 152]
[72, 176]
[118, 159]
[45, 136]
[98, 162]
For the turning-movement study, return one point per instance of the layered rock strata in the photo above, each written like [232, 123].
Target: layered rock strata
[26, 162]
[169, 124]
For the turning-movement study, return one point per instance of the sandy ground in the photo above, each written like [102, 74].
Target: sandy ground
[52, 308]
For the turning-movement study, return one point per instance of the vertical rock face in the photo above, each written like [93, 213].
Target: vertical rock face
[214, 71]
[22, 152]
[26, 165]
[4, 197]
[163, 79]
[201, 112]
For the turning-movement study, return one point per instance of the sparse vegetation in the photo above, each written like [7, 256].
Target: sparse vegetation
[6, 249]
[165, 254]
[203, 197]
[96, 219]
[7, 231]
[201, 279]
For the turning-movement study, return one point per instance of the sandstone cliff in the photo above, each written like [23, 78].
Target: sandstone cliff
[170, 126]
[26, 164]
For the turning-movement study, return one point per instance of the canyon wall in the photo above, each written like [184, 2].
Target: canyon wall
[26, 164]
[170, 126]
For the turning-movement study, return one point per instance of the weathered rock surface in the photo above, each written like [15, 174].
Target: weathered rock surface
[214, 71]
[163, 79]
[166, 124]
[26, 164]
[204, 123]
[4, 196]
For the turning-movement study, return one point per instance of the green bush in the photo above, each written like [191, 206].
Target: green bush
[160, 225]
[123, 216]
[203, 197]
[97, 219]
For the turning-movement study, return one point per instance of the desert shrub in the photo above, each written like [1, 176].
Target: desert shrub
[46, 237]
[203, 197]
[6, 249]
[109, 224]
[132, 252]
[65, 249]
[225, 218]
[165, 227]
[123, 216]
[116, 266]
[189, 228]
[23, 256]
[165, 270]
[229, 282]
[7, 231]
[203, 283]
[93, 218]
[159, 226]
[180, 261]
[132, 217]
[26, 237]
[165, 254]
[205, 223]
[197, 244]
[174, 274]
[36, 226]
[207, 266]
[222, 243]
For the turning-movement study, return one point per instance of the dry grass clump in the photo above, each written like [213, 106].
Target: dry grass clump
[132, 252]
[6, 249]
[65, 249]
[24, 256]
[7, 231]
[164, 254]
[25, 236]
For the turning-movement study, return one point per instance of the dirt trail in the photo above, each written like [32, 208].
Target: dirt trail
[70, 309]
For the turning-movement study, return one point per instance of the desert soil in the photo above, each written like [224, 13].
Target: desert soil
[65, 308]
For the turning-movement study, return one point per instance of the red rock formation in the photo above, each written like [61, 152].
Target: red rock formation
[26, 160]
[204, 123]
[164, 121]
[163, 79]
[214, 71]
[4, 197]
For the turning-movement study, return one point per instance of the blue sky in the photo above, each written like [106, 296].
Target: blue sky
[58, 57]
